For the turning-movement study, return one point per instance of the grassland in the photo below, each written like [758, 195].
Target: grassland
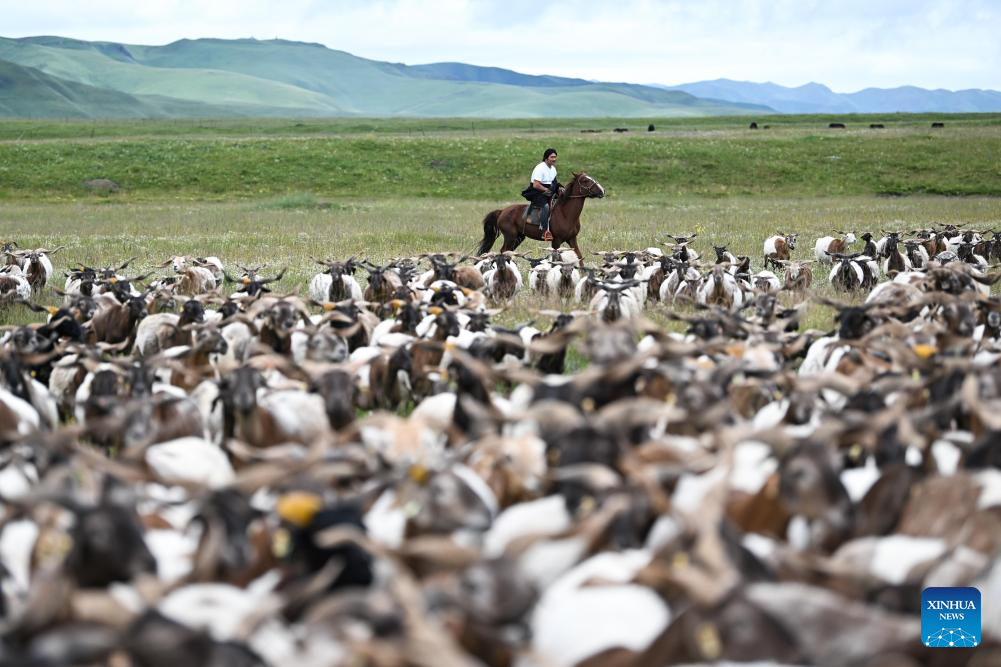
[456, 161]
[384, 189]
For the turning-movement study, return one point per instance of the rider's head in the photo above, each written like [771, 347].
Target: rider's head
[549, 157]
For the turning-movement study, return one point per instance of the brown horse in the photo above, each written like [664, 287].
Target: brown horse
[564, 219]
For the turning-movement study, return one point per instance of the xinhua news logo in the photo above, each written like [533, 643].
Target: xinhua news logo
[950, 617]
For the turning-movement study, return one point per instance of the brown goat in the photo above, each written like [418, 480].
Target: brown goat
[116, 322]
[798, 276]
[778, 247]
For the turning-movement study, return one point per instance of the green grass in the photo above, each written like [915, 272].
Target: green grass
[431, 160]
[281, 191]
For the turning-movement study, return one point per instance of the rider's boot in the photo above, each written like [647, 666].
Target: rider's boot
[544, 224]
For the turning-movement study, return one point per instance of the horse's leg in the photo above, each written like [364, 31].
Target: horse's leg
[511, 243]
[576, 249]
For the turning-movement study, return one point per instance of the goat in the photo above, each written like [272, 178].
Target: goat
[562, 279]
[276, 319]
[964, 250]
[116, 322]
[37, 267]
[160, 331]
[895, 261]
[766, 281]
[537, 272]
[383, 283]
[725, 256]
[85, 279]
[826, 244]
[869, 249]
[251, 283]
[262, 417]
[194, 278]
[916, 253]
[719, 288]
[503, 280]
[214, 265]
[469, 277]
[615, 301]
[13, 285]
[335, 284]
[779, 247]
[853, 272]
[680, 249]
[990, 249]
[680, 283]
[798, 276]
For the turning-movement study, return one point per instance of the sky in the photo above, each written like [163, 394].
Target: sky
[845, 44]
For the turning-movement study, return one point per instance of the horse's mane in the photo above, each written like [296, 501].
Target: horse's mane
[566, 190]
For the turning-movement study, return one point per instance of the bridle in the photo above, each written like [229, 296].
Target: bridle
[584, 192]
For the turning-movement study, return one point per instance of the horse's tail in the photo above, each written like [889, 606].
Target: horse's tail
[490, 232]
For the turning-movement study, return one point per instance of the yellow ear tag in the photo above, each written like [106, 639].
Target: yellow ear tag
[52, 310]
[246, 281]
[419, 473]
[924, 351]
[708, 639]
[299, 507]
[327, 307]
[435, 310]
[113, 281]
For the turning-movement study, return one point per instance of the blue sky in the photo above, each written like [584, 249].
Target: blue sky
[846, 44]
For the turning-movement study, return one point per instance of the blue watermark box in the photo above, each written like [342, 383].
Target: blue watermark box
[950, 617]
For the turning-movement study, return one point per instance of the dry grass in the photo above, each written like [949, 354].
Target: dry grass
[278, 234]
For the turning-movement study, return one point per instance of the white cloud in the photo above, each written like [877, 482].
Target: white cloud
[847, 45]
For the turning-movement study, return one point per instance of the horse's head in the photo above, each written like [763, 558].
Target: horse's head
[583, 185]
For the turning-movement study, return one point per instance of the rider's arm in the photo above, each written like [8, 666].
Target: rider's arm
[539, 186]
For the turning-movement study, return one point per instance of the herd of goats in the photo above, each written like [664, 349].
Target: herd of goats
[196, 470]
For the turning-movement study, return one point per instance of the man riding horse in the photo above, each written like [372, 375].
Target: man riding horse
[556, 216]
[541, 191]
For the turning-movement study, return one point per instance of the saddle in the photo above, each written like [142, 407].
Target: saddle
[532, 213]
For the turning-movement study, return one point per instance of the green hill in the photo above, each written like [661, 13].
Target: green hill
[26, 92]
[278, 77]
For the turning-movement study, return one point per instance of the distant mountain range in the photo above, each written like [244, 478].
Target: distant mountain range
[57, 77]
[817, 98]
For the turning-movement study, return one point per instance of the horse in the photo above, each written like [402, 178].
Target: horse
[564, 219]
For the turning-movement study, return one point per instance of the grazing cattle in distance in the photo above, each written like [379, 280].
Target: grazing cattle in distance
[876, 126]
[590, 131]
[621, 129]
[650, 128]
[754, 125]
[836, 126]
[936, 125]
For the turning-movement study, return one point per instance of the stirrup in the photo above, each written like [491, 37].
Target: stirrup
[547, 235]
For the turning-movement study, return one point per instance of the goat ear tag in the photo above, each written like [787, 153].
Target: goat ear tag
[299, 507]
[327, 307]
[245, 281]
[52, 310]
[924, 351]
[950, 617]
